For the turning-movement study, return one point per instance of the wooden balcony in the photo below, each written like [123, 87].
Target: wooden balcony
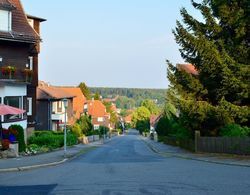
[19, 76]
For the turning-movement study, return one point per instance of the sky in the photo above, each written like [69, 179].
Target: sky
[107, 43]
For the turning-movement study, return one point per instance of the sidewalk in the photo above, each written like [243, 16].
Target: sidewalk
[46, 159]
[167, 150]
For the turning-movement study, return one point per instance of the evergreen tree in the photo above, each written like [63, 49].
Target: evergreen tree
[218, 48]
[85, 90]
[97, 96]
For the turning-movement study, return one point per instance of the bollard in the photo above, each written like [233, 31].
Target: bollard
[197, 136]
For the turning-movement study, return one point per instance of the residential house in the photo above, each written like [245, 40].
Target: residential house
[128, 119]
[78, 101]
[19, 49]
[189, 68]
[154, 119]
[98, 113]
[50, 108]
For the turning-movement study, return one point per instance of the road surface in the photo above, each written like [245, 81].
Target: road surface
[126, 166]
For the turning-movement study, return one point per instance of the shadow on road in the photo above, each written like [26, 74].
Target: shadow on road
[32, 189]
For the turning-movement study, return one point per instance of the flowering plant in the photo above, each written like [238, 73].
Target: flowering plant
[27, 72]
[5, 144]
[8, 70]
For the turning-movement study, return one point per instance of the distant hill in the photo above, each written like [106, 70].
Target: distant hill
[130, 97]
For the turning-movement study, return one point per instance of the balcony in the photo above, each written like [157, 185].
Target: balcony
[57, 117]
[11, 74]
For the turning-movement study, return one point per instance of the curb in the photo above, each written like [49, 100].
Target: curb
[25, 168]
[32, 166]
[167, 154]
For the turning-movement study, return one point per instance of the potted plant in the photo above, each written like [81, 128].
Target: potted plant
[8, 71]
[28, 74]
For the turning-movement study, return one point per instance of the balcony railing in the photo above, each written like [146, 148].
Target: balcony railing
[15, 75]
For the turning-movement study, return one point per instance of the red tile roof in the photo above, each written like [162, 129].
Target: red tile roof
[96, 108]
[154, 119]
[54, 93]
[21, 30]
[189, 68]
[128, 118]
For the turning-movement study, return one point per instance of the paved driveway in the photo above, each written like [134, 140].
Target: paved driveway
[127, 166]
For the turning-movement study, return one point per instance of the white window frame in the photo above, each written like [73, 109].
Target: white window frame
[31, 62]
[9, 21]
[100, 119]
[29, 106]
[96, 127]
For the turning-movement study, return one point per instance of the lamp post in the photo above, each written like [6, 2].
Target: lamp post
[65, 103]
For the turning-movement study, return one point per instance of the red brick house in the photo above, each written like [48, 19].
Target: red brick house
[97, 111]
[19, 50]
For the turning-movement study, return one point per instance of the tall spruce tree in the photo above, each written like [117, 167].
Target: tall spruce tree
[218, 47]
[85, 90]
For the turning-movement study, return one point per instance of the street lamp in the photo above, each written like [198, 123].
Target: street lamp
[65, 103]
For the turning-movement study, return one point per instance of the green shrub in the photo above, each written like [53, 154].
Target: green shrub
[71, 139]
[103, 130]
[235, 130]
[76, 129]
[170, 127]
[19, 136]
[85, 124]
[52, 140]
[33, 148]
[39, 133]
[142, 125]
[93, 132]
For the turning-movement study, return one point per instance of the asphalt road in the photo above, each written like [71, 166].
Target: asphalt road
[126, 166]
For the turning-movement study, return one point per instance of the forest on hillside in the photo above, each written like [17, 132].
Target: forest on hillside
[130, 97]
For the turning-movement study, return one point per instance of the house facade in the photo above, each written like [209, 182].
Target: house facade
[98, 113]
[19, 50]
[78, 102]
[51, 110]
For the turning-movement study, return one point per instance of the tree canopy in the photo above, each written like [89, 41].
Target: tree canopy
[218, 48]
[85, 90]
[151, 106]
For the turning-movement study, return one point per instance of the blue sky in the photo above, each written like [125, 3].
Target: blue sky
[111, 43]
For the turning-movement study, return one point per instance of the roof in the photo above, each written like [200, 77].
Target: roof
[154, 119]
[36, 18]
[96, 108]
[6, 4]
[113, 107]
[52, 93]
[128, 118]
[21, 30]
[188, 68]
[78, 100]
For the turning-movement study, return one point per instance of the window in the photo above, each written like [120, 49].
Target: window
[31, 62]
[100, 119]
[59, 106]
[15, 102]
[5, 18]
[31, 22]
[96, 127]
[29, 106]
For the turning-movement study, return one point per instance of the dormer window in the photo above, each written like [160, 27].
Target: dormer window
[5, 18]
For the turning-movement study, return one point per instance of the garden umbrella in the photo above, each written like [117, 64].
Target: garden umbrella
[4, 110]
